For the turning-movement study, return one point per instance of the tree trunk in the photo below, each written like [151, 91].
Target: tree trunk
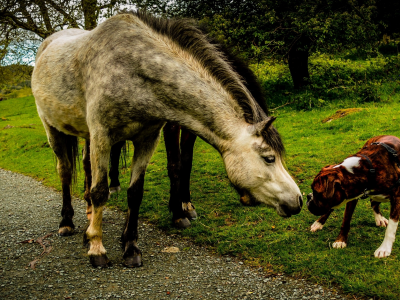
[298, 66]
[89, 8]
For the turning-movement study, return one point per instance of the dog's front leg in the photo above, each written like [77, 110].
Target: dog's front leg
[319, 224]
[341, 240]
[386, 248]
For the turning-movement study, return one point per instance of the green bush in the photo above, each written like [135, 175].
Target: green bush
[331, 79]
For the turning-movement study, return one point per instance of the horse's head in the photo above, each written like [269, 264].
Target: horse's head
[254, 165]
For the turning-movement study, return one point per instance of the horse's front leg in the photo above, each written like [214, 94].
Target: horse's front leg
[100, 148]
[171, 139]
[187, 144]
[144, 149]
[386, 247]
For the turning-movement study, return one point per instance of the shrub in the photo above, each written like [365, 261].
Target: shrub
[331, 79]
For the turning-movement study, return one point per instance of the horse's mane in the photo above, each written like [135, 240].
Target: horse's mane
[231, 72]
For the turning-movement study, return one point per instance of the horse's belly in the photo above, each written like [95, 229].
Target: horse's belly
[68, 119]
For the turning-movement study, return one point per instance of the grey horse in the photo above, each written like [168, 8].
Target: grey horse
[123, 81]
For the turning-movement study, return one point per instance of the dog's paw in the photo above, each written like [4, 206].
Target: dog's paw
[339, 245]
[381, 221]
[316, 226]
[382, 252]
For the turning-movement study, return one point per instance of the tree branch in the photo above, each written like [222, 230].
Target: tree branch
[67, 16]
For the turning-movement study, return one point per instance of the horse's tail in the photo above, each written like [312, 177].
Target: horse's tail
[72, 147]
[125, 151]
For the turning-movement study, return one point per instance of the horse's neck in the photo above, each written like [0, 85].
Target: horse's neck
[207, 110]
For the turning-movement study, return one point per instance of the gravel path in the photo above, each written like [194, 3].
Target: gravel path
[29, 211]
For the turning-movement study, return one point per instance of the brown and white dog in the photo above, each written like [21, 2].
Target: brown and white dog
[372, 172]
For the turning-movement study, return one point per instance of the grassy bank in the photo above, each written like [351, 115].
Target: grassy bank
[256, 234]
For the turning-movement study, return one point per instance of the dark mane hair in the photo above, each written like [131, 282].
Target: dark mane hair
[232, 73]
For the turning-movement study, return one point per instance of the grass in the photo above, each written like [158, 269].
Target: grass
[255, 234]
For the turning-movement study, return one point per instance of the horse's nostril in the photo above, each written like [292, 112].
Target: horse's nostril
[301, 201]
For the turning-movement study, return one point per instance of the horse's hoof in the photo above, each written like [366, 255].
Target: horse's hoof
[99, 261]
[182, 223]
[133, 261]
[114, 189]
[191, 214]
[65, 231]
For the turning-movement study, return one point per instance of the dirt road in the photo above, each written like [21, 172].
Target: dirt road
[30, 211]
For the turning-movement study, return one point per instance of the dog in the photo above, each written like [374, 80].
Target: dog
[373, 172]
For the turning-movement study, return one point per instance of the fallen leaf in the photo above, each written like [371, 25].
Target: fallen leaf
[170, 250]
[30, 241]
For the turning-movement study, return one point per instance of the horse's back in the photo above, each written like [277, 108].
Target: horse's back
[60, 35]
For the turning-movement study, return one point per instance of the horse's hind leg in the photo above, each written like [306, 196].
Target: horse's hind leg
[88, 178]
[171, 139]
[65, 147]
[114, 164]
[144, 149]
[187, 144]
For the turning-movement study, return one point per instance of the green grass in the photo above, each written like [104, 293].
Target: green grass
[256, 234]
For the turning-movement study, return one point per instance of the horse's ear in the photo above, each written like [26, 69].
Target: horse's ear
[259, 127]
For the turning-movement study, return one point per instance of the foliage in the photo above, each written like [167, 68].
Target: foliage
[333, 78]
[254, 234]
[268, 27]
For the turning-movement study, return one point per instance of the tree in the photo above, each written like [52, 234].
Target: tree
[288, 29]
[25, 23]
[388, 15]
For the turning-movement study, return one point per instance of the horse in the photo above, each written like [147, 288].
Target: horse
[179, 144]
[123, 81]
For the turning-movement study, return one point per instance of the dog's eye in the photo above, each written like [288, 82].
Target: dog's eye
[269, 159]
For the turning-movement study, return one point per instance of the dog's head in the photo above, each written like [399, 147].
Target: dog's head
[327, 191]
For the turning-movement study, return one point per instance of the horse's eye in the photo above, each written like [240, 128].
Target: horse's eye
[269, 159]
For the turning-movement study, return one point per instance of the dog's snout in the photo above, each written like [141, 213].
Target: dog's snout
[309, 197]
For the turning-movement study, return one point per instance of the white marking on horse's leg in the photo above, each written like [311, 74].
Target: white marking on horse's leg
[350, 163]
[380, 220]
[114, 189]
[94, 233]
[386, 248]
[316, 226]
[339, 245]
[89, 211]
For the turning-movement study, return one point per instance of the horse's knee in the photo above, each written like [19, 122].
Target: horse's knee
[99, 194]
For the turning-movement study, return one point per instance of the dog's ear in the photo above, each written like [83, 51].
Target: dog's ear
[331, 186]
[325, 185]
